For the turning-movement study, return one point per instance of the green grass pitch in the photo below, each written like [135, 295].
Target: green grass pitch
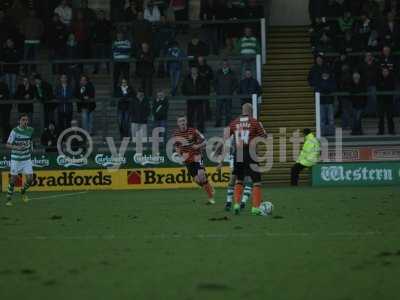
[321, 243]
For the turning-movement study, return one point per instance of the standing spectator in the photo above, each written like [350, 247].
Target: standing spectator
[325, 86]
[315, 72]
[131, 12]
[86, 94]
[57, 38]
[386, 83]
[64, 94]
[43, 92]
[142, 31]
[359, 102]
[5, 110]
[174, 66]
[121, 50]
[208, 12]
[248, 45]
[248, 86]
[196, 48]
[369, 70]
[102, 39]
[160, 112]
[362, 31]
[151, 11]
[125, 93]
[11, 54]
[206, 72]
[25, 91]
[72, 52]
[32, 29]
[195, 85]
[139, 113]
[49, 138]
[225, 83]
[145, 69]
[346, 22]
[65, 13]
[391, 31]
[387, 60]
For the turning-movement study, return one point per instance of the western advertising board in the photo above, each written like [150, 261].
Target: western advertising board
[118, 179]
[351, 174]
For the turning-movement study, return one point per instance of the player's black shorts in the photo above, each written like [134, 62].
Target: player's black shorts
[194, 167]
[246, 167]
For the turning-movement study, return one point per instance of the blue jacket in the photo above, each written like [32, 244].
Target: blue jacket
[175, 52]
[64, 98]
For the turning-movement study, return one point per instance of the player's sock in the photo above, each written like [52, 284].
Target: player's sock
[10, 191]
[256, 196]
[238, 192]
[247, 192]
[229, 194]
[210, 192]
[25, 188]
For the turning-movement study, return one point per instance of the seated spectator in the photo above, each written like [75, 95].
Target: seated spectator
[248, 45]
[226, 83]
[49, 138]
[11, 54]
[5, 110]
[65, 12]
[327, 85]
[125, 93]
[32, 28]
[25, 91]
[174, 66]
[387, 60]
[248, 86]
[131, 12]
[85, 92]
[145, 69]
[369, 70]
[390, 32]
[64, 95]
[195, 85]
[358, 102]
[102, 39]
[160, 112]
[57, 38]
[121, 50]
[386, 83]
[151, 11]
[196, 48]
[346, 22]
[315, 72]
[139, 114]
[362, 31]
[43, 92]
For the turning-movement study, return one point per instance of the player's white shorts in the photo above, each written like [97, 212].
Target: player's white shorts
[21, 167]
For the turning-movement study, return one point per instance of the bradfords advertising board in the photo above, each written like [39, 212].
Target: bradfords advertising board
[336, 174]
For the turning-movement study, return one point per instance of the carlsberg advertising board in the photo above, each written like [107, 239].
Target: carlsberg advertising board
[335, 174]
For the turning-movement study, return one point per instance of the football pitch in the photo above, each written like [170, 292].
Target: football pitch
[320, 243]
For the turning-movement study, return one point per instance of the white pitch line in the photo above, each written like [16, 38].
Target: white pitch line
[60, 195]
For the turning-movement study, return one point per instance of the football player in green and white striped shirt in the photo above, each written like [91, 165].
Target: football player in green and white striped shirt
[20, 144]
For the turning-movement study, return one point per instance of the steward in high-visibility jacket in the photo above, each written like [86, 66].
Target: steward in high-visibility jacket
[309, 155]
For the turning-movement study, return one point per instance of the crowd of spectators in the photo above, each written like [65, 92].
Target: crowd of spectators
[355, 45]
[143, 30]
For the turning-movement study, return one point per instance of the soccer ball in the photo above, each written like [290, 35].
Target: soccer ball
[266, 208]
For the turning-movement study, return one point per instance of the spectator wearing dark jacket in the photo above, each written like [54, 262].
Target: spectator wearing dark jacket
[26, 92]
[196, 48]
[5, 110]
[344, 84]
[145, 68]
[226, 83]
[390, 32]
[139, 115]
[125, 93]
[174, 66]
[102, 40]
[160, 112]
[248, 86]
[85, 92]
[64, 94]
[314, 74]
[369, 71]
[387, 59]
[358, 101]
[325, 86]
[386, 83]
[11, 54]
[43, 92]
[49, 138]
[121, 50]
[57, 38]
[72, 52]
[195, 85]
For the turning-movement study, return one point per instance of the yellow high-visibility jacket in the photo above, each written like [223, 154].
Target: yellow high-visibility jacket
[310, 153]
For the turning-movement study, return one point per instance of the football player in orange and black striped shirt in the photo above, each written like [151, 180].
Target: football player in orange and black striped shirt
[189, 143]
[244, 130]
